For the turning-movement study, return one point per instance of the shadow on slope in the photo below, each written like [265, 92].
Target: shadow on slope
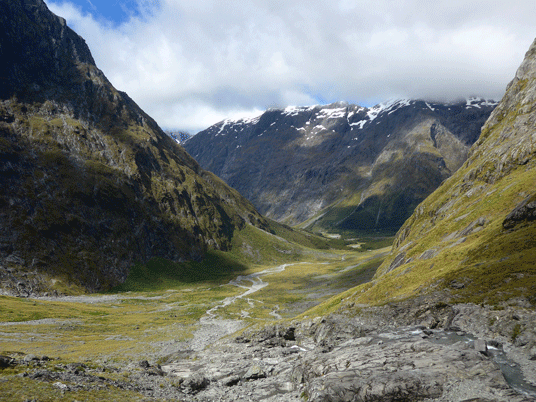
[159, 273]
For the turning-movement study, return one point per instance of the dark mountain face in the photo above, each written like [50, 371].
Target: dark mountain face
[90, 183]
[342, 166]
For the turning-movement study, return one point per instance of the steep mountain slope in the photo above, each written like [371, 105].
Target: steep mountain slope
[90, 183]
[475, 236]
[346, 166]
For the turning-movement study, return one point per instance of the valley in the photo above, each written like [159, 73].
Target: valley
[269, 333]
[173, 319]
[347, 253]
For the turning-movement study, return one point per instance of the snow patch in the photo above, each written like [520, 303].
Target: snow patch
[360, 123]
[478, 102]
[295, 110]
[331, 113]
[238, 122]
[390, 107]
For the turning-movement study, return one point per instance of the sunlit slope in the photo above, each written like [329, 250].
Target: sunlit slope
[475, 236]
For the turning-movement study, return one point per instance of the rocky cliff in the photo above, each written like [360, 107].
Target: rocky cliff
[90, 183]
[475, 236]
[342, 166]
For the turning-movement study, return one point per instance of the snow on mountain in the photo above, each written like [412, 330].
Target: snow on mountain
[292, 162]
[479, 102]
[357, 117]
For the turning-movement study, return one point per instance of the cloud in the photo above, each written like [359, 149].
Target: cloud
[188, 63]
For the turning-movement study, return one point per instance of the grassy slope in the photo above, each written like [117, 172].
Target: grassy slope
[91, 183]
[455, 241]
[251, 247]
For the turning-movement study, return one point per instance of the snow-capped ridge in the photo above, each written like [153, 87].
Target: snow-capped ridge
[479, 102]
[343, 109]
[294, 110]
[241, 121]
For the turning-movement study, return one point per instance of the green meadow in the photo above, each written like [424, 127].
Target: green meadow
[158, 308]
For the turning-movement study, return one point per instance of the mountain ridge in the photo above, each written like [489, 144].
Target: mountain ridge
[331, 163]
[91, 183]
[473, 238]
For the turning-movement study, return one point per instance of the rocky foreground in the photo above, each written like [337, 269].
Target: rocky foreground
[421, 350]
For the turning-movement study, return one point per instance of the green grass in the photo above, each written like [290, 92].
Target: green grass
[23, 389]
[162, 300]
[493, 263]
[161, 274]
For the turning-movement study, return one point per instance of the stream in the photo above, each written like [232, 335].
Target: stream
[211, 328]
[256, 284]
[511, 370]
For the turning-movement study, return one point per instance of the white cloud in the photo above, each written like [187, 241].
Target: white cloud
[190, 63]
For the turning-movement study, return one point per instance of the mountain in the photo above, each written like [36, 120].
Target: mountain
[90, 183]
[180, 136]
[342, 166]
[475, 236]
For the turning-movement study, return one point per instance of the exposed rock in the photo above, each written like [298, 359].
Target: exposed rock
[6, 361]
[523, 212]
[481, 346]
[254, 373]
[144, 364]
[473, 227]
[399, 260]
[426, 255]
[385, 353]
[195, 383]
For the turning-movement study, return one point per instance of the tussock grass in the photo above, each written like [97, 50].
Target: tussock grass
[163, 301]
[491, 263]
[24, 389]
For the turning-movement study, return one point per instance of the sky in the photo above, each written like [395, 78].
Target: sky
[192, 63]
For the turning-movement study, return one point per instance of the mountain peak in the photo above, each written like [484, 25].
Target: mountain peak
[294, 163]
[91, 183]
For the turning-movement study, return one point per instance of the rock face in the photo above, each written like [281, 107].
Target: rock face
[417, 350]
[90, 183]
[348, 166]
[383, 354]
[475, 235]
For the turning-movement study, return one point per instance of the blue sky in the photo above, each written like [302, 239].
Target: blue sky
[115, 12]
[192, 63]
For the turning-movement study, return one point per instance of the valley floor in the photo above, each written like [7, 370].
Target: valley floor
[120, 330]
[255, 338]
